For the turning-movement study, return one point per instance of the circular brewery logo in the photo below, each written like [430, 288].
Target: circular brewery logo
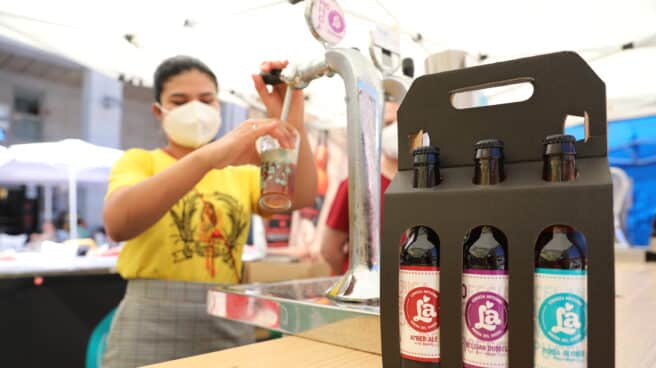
[336, 21]
[326, 20]
[486, 315]
[563, 318]
[421, 308]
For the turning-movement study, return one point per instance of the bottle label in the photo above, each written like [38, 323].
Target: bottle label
[561, 322]
[419, 313]
[485, 318]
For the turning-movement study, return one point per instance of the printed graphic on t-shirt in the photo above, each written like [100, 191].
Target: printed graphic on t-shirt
[208, 226]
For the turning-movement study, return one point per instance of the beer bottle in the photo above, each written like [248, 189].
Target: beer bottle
[419, 296]
[560, 274]
[488, 162]
[426, 167]
[485, 275]
[559, 158]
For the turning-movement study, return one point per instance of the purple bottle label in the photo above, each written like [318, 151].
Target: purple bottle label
[485, 319]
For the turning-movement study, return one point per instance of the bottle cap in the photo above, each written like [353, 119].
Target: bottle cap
[426, 155]
[489, 148]
[489, 143]
[559, 144]
[559, 138]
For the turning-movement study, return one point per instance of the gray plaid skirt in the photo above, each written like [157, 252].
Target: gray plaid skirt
[161, 320]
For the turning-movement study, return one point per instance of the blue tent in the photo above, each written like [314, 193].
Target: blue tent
[632, 147]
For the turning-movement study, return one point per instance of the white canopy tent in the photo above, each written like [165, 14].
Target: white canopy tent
[69, 161]
[233, 37]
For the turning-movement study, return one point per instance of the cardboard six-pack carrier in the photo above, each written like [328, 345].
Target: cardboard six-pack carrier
[522, 206]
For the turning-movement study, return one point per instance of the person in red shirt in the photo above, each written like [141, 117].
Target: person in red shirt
[334, 243]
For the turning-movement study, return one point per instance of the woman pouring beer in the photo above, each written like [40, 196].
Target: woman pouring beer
[184, 211]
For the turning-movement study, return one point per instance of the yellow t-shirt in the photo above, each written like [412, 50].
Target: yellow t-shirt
[201, 238]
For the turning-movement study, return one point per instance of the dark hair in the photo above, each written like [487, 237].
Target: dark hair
[177, 65]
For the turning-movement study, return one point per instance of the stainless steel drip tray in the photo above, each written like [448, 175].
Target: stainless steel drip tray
[300, 308]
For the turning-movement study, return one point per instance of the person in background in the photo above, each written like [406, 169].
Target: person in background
[83, 228]
[184, 211]
[63, 226]
[334, 249]
[48, 232]
[100, 237]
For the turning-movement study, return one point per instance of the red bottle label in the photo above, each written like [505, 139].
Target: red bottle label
[419, 313]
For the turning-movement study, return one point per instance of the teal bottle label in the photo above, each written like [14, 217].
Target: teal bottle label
[561, 318]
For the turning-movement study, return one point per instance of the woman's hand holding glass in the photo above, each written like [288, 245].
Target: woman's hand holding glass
[279, 165]
[238, 146]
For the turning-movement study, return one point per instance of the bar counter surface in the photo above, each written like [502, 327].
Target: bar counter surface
[635, 326]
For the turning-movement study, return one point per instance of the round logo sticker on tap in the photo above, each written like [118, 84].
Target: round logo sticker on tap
[326, 21]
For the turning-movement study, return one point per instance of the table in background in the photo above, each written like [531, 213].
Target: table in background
[49, 309]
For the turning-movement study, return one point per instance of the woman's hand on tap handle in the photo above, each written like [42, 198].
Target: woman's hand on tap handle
[273, 99]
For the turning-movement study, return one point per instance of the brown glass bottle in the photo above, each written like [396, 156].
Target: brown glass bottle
[560, 246]
[559, 158]
[560, 273]
[486, 246]
[419, 319]
[485, 274]
[426, 167]
[488, 159]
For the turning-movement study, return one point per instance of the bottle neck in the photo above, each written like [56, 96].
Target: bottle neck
[560, 233]
[424, 234]
[558, 168]
[488, 171]
[486, 234]
[426, 170]
[426, 176]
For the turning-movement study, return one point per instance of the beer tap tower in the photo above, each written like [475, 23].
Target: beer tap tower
[364, 100]
[365, 107]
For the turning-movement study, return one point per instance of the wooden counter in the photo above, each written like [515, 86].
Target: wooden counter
[288, 352]
[635, 321]
[635, 324]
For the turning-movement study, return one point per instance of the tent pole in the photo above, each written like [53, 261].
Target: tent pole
[47, 202]
[72, 203]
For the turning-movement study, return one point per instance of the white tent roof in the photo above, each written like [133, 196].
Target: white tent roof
[14, 172]
[69, 160]
[233, 37]
[50, 162]
[74, 153]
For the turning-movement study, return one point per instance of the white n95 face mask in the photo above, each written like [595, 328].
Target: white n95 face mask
[192, 124]
[389, 143]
